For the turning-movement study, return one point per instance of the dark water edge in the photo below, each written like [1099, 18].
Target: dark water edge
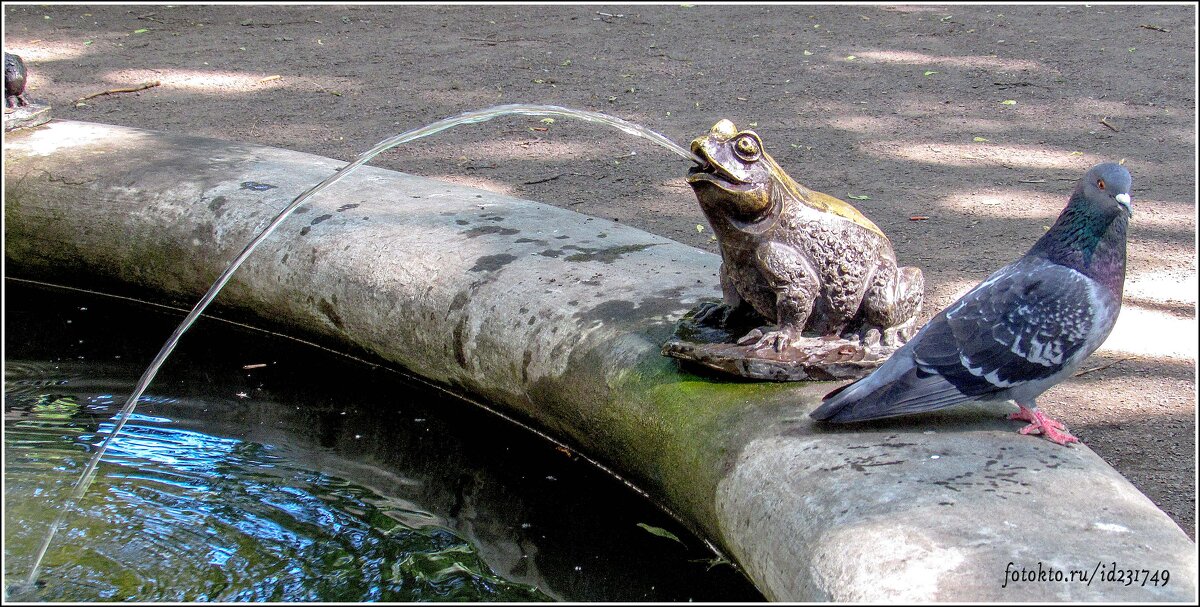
[262, 469]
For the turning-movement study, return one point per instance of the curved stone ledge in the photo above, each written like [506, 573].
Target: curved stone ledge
[557, 319]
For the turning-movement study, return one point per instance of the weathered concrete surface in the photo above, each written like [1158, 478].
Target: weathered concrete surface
[557, 318]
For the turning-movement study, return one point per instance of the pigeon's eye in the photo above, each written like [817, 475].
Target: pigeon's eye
[746, 147]
[1100, 183]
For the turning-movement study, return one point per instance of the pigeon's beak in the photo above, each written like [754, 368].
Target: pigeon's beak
[1126, 203]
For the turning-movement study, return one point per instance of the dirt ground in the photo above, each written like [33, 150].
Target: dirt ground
[958, 129]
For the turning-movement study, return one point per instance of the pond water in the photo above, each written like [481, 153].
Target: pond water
[259, 468]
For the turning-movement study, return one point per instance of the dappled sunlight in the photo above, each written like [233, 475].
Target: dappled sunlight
[1005, 203]
[1160, 214]
[44, 50]
[197, 81]
[979, 154]
[976, 61]
[1144, 332]
[866, 124]
[491, 185]
[57, 136]
[1163, 286]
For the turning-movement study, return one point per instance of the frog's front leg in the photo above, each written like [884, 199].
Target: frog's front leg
[794, 281]
[718, 314]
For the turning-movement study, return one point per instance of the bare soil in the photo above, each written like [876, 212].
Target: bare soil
[966, 127]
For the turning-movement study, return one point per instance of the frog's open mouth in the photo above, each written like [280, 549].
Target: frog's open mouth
[710, 171]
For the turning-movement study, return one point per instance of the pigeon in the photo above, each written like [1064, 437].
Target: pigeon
[1025, 328]
[14, 80]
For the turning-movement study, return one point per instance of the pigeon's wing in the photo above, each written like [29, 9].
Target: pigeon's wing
[1024, 323]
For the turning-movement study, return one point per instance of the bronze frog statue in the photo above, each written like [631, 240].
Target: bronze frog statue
[804, 260]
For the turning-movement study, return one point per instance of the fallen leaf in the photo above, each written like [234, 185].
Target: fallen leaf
[660, 532]
[87, 42]
[1077, 153]
[850, 57]
[918, 218]
[270, 78]
[699, 228]
[853, 197]
[979, 140]
[931, 72]
[538, 128]
[547, 121]
[1008, 102]
[807, 53]
[144, 30]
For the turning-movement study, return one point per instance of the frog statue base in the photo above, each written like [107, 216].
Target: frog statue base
[713, 344]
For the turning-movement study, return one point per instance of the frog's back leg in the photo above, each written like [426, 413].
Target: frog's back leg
[893, 299]
[795, 283]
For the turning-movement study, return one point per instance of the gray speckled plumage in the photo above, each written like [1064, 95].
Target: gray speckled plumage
[1025, 328]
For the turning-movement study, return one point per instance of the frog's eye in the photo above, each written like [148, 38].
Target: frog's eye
[746, 147]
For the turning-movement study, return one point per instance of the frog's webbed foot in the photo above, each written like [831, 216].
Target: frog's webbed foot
[900, 334]
[778, 340]
[871, 335]
[712, 313]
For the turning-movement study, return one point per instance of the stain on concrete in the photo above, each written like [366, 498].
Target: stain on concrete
[461, 222]
[347, 207]
[204, 231]
[481, 230]
[328, 310]
[525, 360]
[537, 241]
[490, 263]
[216, 204]
[619, 310]
[608, 255]
[320, 219]
[460, 354]
[256, 186]
[305, 230]
[458, 302]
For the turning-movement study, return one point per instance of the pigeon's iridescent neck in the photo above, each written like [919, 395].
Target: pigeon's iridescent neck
[1089, 241]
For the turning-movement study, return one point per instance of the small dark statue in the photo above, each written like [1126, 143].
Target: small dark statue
[14, 81]
[805, 262]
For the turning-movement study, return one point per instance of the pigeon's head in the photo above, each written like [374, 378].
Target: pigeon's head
[1107, 185]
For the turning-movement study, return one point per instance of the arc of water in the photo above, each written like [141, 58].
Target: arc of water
[473, 117]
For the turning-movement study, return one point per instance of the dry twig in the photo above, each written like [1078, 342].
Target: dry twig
[1104, 366]
[129, 89]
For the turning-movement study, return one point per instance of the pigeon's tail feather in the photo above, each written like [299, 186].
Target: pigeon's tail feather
[909, 391]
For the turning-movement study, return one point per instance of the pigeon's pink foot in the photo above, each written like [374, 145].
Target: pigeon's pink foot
[1040, 424]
